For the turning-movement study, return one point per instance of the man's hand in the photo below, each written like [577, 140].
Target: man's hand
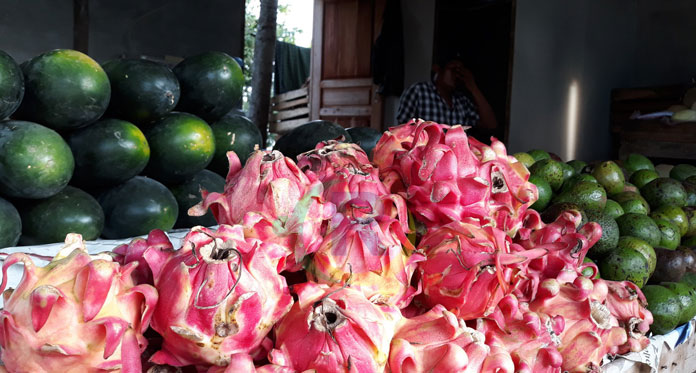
[465, 76]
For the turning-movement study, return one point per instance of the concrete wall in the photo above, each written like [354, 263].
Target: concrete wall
[165, 27]
[124, 28]
[549, 55]
[601, 45]
[30, 27]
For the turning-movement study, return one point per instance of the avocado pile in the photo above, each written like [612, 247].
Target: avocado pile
[648, 223]
[116, 149]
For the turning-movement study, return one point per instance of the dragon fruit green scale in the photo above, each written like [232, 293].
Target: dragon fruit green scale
[79, 313]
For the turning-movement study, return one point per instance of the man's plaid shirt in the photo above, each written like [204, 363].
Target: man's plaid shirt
[421, 100]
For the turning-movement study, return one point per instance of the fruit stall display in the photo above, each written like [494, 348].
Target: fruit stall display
[437, 252]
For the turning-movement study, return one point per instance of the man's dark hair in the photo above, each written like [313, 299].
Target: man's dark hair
[447, 56]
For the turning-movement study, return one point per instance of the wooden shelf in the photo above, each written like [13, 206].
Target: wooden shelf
[653, 138]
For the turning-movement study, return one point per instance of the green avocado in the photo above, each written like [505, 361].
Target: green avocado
[632, 202]
[567, 184]
[544, 190]
[526, 159]
[690, 190]
[641, 177]
[539, 154]
[670, 234]
[665, 308]
[635, 162]
[641, 226]
[568, 171]
[689, 279]
[552, 212]
[625, 264]
[586, 194]
[577, 165]
[610, 176]
[613, 209]
[642, 247]
[682, 171]
[610, 234]
[675, 215]
[691, 217]
[549, 170]
[664, 191]
[686, 296]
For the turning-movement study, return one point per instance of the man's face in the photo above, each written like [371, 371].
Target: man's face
[451, 74]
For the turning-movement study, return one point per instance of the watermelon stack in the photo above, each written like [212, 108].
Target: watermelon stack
[113, 150]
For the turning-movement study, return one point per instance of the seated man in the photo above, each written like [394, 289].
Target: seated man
[443, 99]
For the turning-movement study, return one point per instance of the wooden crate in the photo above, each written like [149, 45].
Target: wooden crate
[653, 138]
[289, 110]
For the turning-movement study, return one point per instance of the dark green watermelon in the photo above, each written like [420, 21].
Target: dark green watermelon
[35, 162]
[189, 194]
[181, 145]
[11, 85]
[136, 207]
[141, 91]
[306, 137]
[366, 137]
[236, 133]
[211, 84]
[65, 89]
[50, 220]
[108, 152]
[10, 224]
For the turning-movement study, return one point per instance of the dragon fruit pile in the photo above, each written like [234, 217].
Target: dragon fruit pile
[427, 259]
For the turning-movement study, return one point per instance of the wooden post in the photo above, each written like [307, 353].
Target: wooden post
[81, 25]
[316, 63]
[264, 50]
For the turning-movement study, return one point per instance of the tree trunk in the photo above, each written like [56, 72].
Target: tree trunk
[264, 49]
[81, 25]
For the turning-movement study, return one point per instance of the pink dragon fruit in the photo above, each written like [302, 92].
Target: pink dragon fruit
[331, 156]
[626, 302]
[243, 363]
[529, 338]
[449, 177]
[393, 143]
[157, 247]
[223, 295]
[334, 329]
[274, 201]
[79, 313]
[469, 268]
[369, 253]
[590, 331]
[566, 248]
[347, 176]
[437, 341]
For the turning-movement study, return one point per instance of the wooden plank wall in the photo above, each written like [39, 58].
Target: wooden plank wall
[289, 110]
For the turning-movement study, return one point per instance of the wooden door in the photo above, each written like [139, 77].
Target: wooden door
[341, 87]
